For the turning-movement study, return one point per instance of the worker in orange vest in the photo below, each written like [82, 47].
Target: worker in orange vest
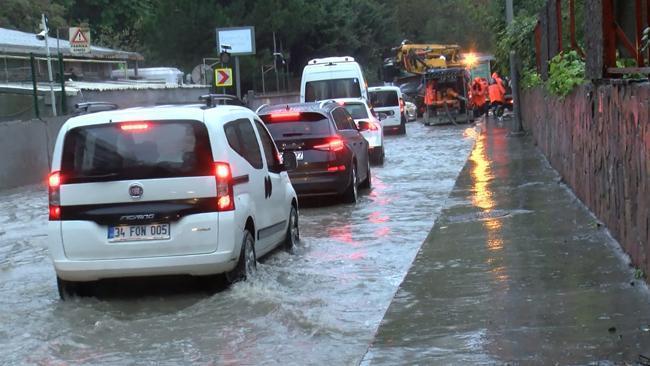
[478, 97]
[429, 95]
[497, 93]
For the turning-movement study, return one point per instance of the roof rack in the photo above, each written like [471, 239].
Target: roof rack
[213, 100]
[92, 107]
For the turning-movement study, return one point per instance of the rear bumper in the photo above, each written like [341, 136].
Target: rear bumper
[320, 183]
[133, 263]
[199, 264]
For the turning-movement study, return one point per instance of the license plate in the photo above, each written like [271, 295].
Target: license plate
[299, 155]
[139, 232]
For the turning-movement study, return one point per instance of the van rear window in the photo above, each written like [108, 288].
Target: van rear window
[332, 89]
[136, 150]
[386, 98]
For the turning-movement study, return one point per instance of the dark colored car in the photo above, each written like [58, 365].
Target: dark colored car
[331, 154]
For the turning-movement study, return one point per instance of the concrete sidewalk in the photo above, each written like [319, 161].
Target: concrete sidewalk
[516, 270]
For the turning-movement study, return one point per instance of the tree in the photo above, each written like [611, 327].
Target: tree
[25, 15]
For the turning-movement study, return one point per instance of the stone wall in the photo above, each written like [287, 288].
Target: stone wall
[26, 150]
[598, 139]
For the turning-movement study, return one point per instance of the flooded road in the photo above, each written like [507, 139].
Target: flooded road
[320, 305]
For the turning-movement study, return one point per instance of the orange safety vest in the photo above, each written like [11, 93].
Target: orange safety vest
[478, 94]
[497, 93]
[429, 94]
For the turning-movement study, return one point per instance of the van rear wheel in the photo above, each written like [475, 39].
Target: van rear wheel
[247, 263]
[70, 289]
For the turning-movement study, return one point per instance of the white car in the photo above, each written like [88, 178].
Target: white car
[168, 190]
[388, 100]
[411, 111]
[369, 126]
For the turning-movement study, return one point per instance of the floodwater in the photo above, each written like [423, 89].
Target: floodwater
[320, 305]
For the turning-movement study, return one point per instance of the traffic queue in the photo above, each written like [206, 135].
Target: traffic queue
[208, 188]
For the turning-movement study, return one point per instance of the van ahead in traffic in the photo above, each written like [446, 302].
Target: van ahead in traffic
[332, 78]
[168, 190]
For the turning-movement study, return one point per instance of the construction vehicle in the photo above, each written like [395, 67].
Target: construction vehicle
[440, 73]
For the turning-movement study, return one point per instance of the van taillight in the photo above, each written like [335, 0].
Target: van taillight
[223, 179]
[335, 144]
[54, 195]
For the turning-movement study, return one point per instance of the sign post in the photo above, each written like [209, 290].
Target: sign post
[239, 41]
[79, 38]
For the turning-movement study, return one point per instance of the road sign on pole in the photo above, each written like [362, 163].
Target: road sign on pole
[79, 40]
[223, 76]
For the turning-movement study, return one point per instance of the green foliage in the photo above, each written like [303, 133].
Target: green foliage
[25, 15]
[530, 79]
[494, 17]
[518, 37]
[566, 71]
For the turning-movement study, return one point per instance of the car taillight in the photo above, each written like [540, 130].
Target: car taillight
[373, 126]
[336, 168]
[223, 179]
[335, 144]
[54, 195]
[134, 126]
[284, 116]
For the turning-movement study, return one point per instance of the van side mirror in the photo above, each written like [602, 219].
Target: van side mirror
[382, 116]
[289, 161]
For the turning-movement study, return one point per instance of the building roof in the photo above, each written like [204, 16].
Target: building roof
[17, 42]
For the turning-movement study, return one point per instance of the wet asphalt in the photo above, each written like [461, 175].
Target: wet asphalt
[516, 271]
[321, 305]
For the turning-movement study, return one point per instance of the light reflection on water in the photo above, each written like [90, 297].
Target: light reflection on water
[483, 198]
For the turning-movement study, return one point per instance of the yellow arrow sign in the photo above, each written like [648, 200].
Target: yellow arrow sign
[223, 77]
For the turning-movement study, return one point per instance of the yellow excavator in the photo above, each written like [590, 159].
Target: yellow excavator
[440, 73]
[419, 58]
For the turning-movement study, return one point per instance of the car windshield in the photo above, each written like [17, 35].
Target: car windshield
[357, 110]
[384, 98]
[332, 89]
[304, 124]
[136, 150]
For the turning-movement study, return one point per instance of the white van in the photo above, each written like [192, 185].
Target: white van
[331, 78]
[389, 101]
[169, 190]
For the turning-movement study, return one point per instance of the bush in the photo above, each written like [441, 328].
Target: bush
[530, 79]
[567, 70]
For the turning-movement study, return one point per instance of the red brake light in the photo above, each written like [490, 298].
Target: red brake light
[373, 126]
[54, 195]
[55, 213]
[54, 181]
[284, 116]
[335, 144]
[134, 126]
[223, 179]
[222, 170]
[336, 168]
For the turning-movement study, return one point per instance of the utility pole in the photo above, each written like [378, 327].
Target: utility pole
[517, 128]
[275, 66]
[49, 63]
